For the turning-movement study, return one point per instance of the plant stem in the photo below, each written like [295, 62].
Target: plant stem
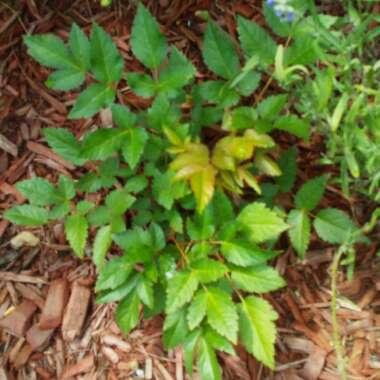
[336, 334]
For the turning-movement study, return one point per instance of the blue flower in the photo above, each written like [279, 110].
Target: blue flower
[278, 12]
[290, 16]
[271, 2]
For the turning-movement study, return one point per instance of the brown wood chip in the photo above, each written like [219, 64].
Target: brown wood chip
[314, 365]
[75, 312]
[37, 337]
[82, 366]
[18, 321]
[55, 303]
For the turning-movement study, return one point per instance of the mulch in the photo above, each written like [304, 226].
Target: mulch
[97, 348]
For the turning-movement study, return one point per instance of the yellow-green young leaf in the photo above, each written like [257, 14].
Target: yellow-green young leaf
[208, 365]
[197, 309]
[222, 314]
[148, 44]
[180, 290]
[261, 223]
[257, 279]
[257, 329]
[222, 157]
[76, 229]
[299, 232]
[203, 185]
[266, 165]
[102, 244]
[259, 140]
[127, 312]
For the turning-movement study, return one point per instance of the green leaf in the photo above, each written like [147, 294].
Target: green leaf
[255, 41]
[197, 309]
[65, 188]
[50, 51]
[102, 243]
[64, 143]
[102, 143]
[27, 215]
[311, 193]
[127, 313]
[208, 365]
[244, 253]
[222, 314]
[65, 80]
[106, 62]
[201, 227]
[219, 52]
[277, 24]
[179, 72]
[147, 42]
[250, 83]
[80, 47]
[218, 341]
[271, 106]
[120, 292]
[175, 329]
[334, 226]
[119, 201]
[208, 270]
[76, 229]
[189, 348]
[114, 273]
[92, 100]
[122, 116]
[257, 279]
[180, 290]
[299, 232]
[288, 165]
[257, 329]
[261, 223]
[294, 125]
[83, 207]
[133, 146]
[38, 191]
[161, 113]
[145, 292]
[141, 83]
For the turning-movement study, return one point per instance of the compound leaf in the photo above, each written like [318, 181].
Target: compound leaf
[27, 215]
[310, 194]
[76, 229]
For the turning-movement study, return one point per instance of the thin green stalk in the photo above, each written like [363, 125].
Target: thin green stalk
[337, 342]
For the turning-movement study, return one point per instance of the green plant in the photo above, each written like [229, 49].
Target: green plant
[182, 247]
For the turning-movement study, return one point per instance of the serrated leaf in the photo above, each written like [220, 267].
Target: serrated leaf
[197, 309]
[102, 143]
[127, 312]
[189, 348]
[222, 314]
[271, 106]
[106, 62]
[133, 146]
[92, 100]
[119, 201]
[208, 270]
[208, 365]
[257, 329]
[102, 243]
[255, 41]
[38, 191]
[141, 83]
[334, 226]
[113, 274]
[65, 80]
[219, 52]
[119, 292]
[288, 166]
[175, 329]
[80, 47]
[299, 232]
[122, 116]
[83, 207]
[311, 193]
[277, 24]
[145, 292]
[64, 143]
[179, 72]
[180, 290]
[50, 51]
[218, 341]
[76, 229]
[261, 223]
[258, 279]
[294, 125]
[65, 188]
[27, 215]
[203, 185]
[147, 42]
[244, 253]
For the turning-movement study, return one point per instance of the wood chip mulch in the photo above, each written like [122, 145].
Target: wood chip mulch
[50, 327]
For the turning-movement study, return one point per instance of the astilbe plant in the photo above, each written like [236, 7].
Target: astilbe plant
[186, 250]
